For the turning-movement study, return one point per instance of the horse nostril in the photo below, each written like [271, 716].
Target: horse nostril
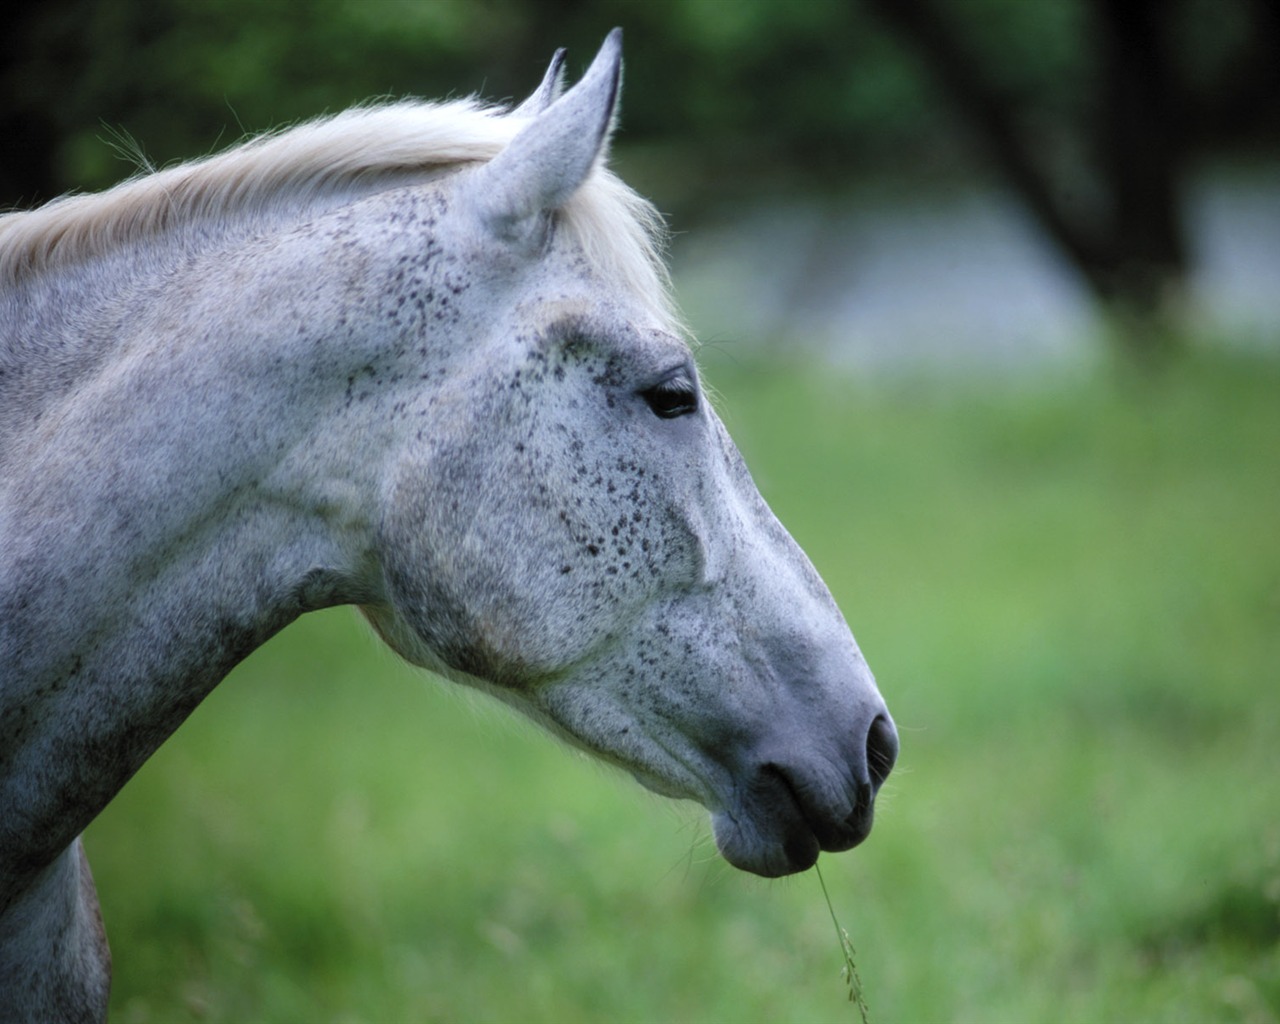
[882, 750]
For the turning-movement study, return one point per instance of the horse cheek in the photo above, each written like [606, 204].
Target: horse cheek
[472, 576]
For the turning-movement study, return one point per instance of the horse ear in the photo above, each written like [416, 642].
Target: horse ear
[552, 156]
[548, 90]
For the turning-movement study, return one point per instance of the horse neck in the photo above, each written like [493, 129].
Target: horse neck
[54, 961]
[179, 497]
[57, 330]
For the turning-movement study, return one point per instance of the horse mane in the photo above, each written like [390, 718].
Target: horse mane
[329, 156]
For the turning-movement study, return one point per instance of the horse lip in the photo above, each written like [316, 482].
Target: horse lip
[833, 834]
[741, 843]
[779, 833]
[859, 821]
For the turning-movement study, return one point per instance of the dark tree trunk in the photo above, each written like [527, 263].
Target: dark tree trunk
[1141, 155]
[1132, 253]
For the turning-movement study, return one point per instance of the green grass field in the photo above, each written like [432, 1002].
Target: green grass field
[1070, 593]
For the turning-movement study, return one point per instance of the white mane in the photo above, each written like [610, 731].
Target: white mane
[350, 151]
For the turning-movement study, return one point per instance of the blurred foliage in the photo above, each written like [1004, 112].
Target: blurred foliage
[744, 90]
[1092, 111]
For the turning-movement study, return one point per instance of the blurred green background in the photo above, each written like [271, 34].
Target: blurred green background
[987, 294]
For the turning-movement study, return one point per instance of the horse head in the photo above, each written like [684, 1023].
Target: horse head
[566, 524]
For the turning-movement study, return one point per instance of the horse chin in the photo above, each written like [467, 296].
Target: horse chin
[770, 852]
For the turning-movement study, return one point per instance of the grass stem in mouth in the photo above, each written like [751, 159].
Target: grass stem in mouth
[850, 970]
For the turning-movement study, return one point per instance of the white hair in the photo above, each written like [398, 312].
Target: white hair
[348, 153]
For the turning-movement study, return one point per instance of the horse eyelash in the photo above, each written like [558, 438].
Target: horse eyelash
[672, 398]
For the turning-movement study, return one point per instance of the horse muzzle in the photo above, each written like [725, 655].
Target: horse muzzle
[789, 808]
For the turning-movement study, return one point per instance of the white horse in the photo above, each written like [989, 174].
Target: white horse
[421, 359]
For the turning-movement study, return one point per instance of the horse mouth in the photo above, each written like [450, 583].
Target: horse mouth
[783, 819]
[781, 840]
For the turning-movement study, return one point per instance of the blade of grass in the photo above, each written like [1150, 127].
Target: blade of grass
[850, 970]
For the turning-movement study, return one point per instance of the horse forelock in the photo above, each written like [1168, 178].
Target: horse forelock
[331, 156]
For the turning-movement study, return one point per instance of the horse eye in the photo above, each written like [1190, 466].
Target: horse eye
[676, 396]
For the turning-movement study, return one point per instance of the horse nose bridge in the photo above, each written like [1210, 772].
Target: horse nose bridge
[778, 577]
[760, 552]
[816, 665]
